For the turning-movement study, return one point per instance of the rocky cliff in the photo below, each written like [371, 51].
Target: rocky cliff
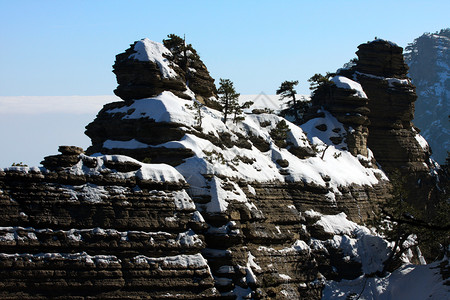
[165, 206]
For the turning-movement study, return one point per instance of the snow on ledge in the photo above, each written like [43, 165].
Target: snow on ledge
[422, 142]
[186, 261]
[154, 172]
[345, 83]
[357, 242]
[81, 257]
[147, 50]
[337, 224]
[24, 169]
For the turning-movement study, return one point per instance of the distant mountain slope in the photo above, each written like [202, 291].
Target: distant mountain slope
[428, 59]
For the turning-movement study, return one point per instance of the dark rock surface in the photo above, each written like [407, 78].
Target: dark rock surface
[391, 105]
[393, 138]
[139, 79]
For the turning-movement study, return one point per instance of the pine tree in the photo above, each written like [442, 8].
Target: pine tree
[228, 97]
[184, 54]
[238, 110]
[279, 134]
[286, 90]
[197, 106]
[319, 80]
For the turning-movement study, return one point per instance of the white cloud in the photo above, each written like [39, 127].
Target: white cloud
[54, 104]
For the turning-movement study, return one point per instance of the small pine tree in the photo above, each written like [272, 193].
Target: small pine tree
[238, 110]
[228, 97]
[279, 134]
[286, 90]
[184, 54]
[197, 106]
[318, 80]
[322, 86]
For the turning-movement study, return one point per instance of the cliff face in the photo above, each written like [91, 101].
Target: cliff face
[164, 205]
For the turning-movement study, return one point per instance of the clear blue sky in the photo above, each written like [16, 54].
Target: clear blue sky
[65, 48]
[68, 47]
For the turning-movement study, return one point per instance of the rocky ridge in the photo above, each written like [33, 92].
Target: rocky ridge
[221, 211]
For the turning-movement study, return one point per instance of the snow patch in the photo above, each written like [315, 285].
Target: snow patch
[153, 172]
[356, 241]
[147, 50]
[82, 257]
[131, 144]
[193, 261]
[345, 83]
[407, 282]
[422, 142]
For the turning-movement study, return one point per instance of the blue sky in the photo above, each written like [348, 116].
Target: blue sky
[65, 48]
[68, 47]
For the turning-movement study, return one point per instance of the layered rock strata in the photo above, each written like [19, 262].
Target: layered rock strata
[392, 138]
[90, 230]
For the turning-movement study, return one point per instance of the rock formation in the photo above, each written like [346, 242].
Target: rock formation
[345, 100]
[148, 68]
[374, 99]
[163, 207]
[392, 137]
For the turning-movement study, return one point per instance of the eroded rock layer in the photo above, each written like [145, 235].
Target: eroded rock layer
[90, 230]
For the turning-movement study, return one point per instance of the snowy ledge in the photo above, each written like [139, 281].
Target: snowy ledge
[390, 80]
[195, 261]
[250, 164]
[357, 242]
[25, 170]
[183, 239]
[147, 50]
[348, 84]
[82, 257]
[151, 172]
